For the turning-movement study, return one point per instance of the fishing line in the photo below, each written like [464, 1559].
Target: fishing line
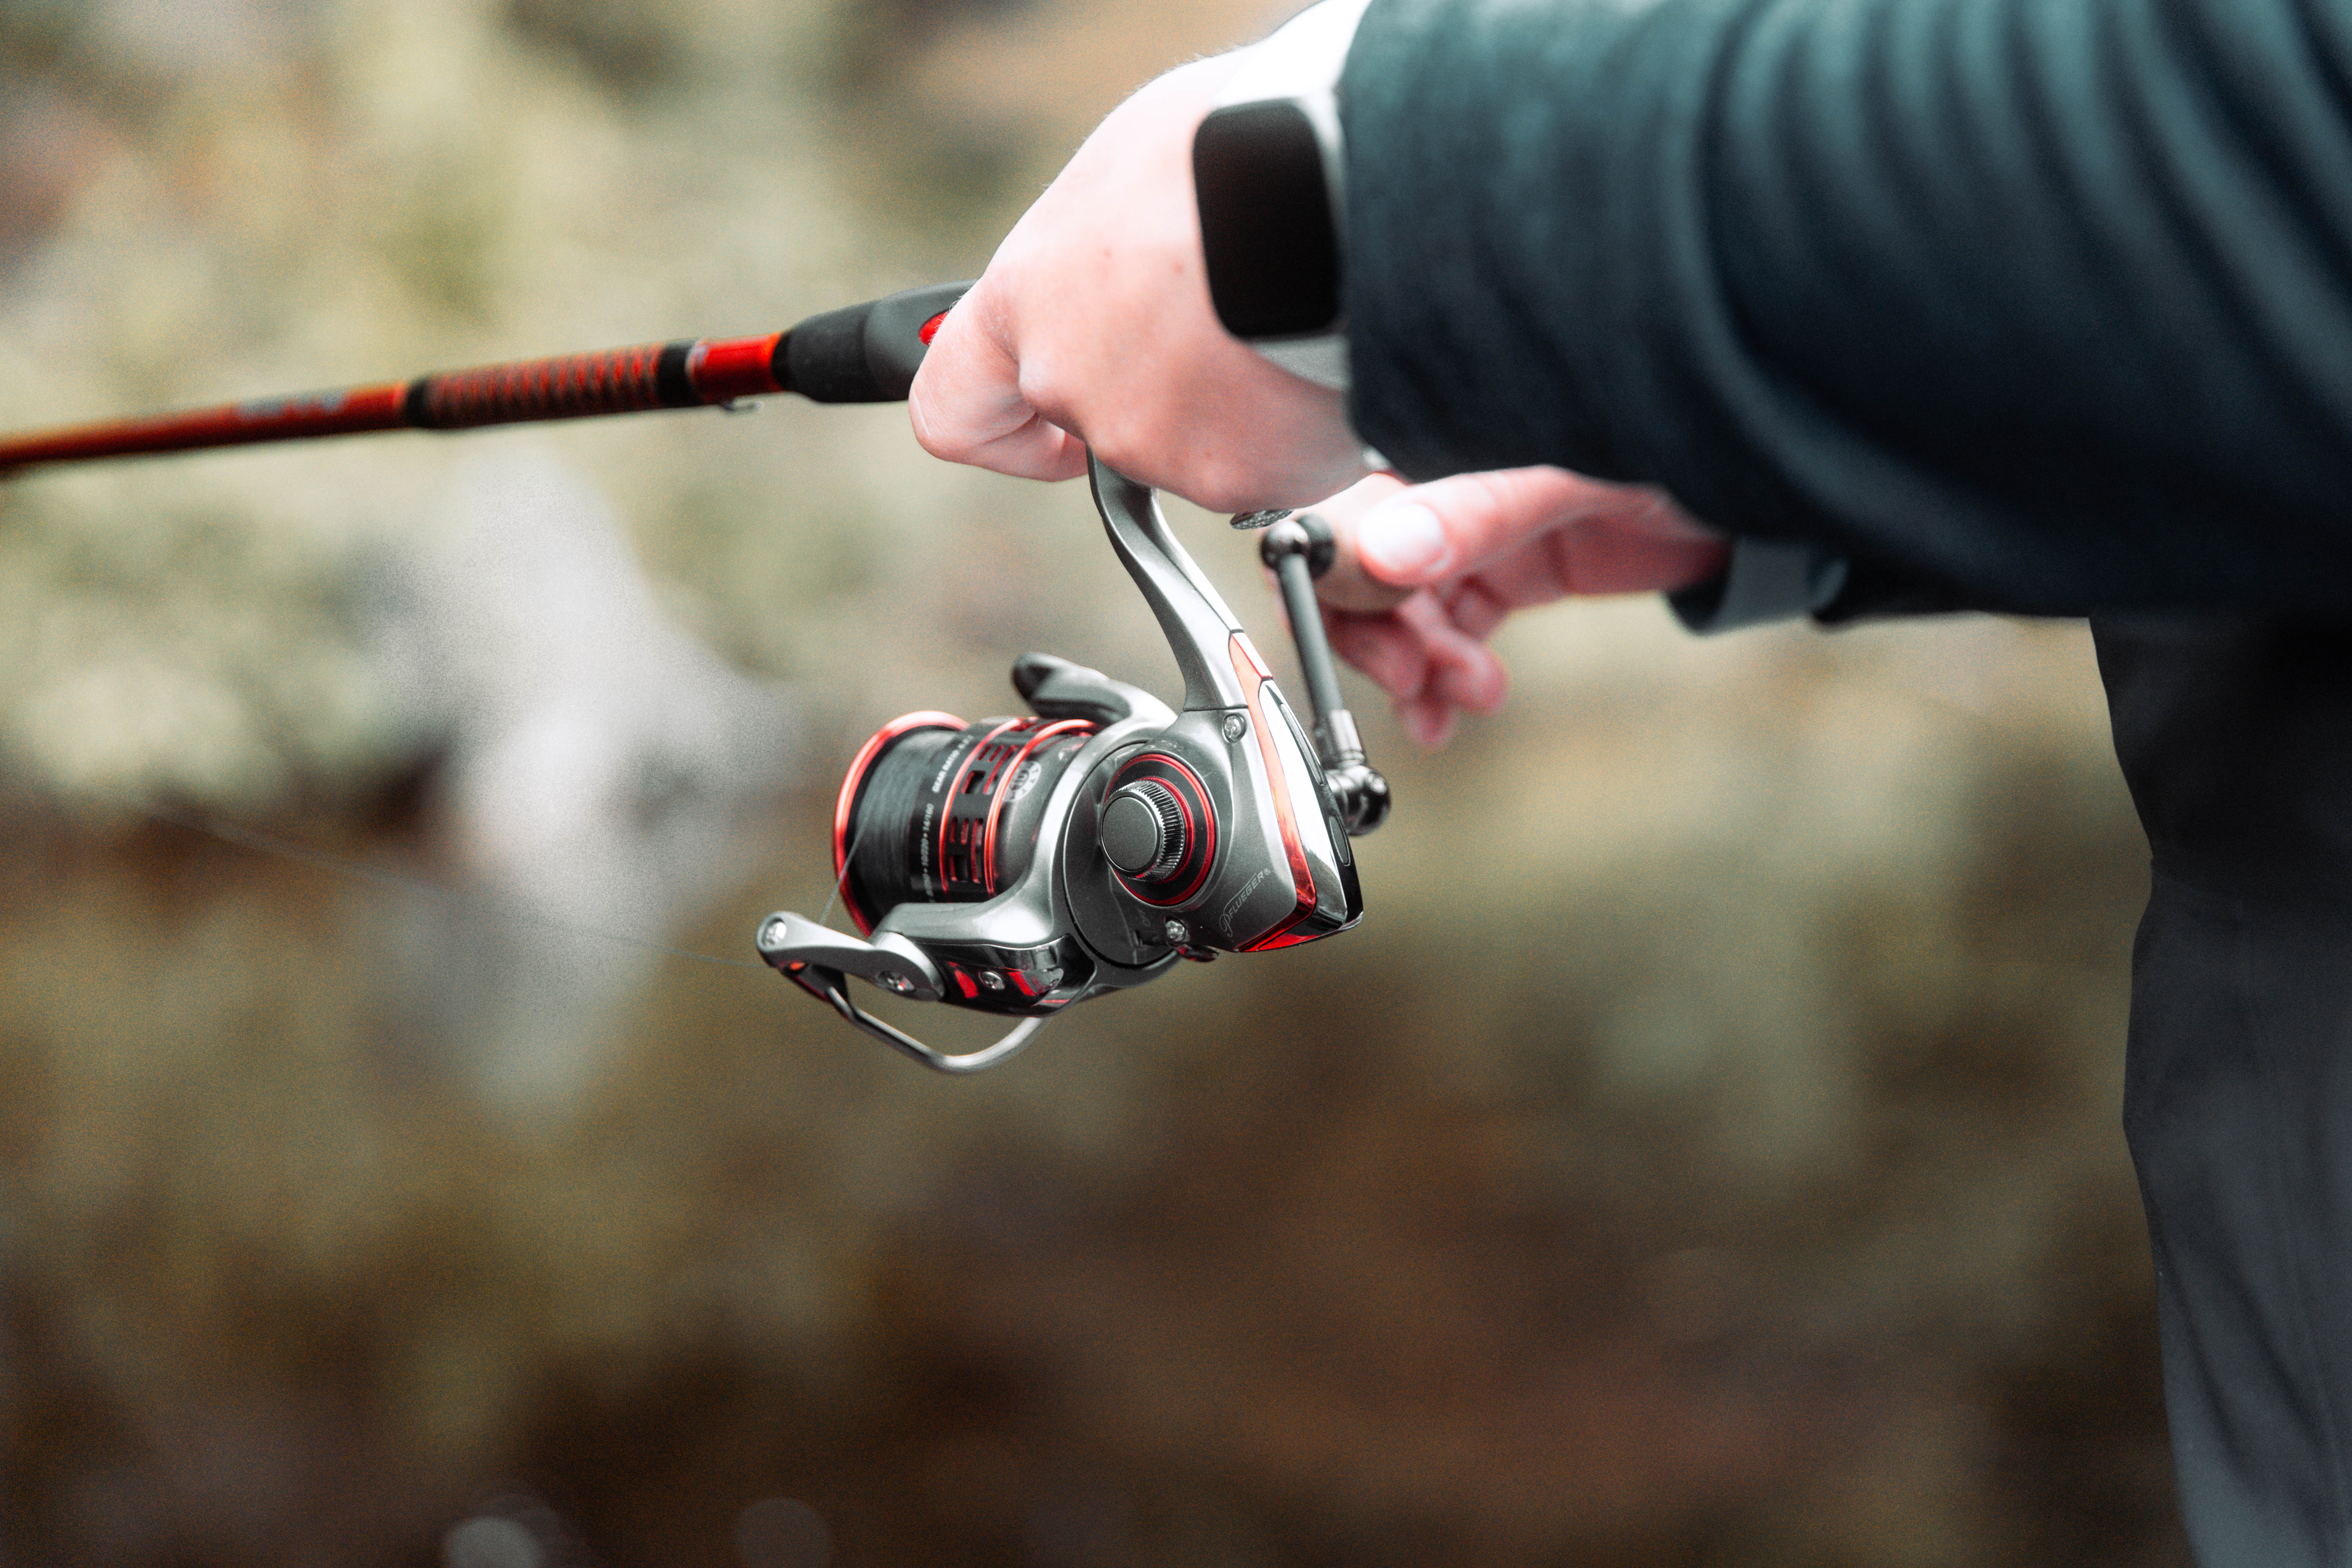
[359, 871]
[847, 860]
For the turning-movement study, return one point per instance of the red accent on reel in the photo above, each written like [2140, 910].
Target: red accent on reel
[905, 723]
[930, 328]
[963, 823]
[967, 850]
[1254, 675]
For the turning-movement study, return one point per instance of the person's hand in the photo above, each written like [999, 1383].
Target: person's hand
[1092, 327]
[1422, 576]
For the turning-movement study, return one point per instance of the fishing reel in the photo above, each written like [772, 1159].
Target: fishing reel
[1014, 866]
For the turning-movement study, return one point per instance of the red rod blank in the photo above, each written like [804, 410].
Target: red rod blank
[231, 424]
[860, 353]
[683, 374]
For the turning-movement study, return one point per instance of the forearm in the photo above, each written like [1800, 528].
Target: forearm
[2041, 304]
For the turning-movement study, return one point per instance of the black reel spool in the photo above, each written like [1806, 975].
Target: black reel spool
[1016, 865]
[936, 811]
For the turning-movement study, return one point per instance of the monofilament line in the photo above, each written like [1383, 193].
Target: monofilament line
[359, 871]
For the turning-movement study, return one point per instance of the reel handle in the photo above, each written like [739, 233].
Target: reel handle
[1299, 548]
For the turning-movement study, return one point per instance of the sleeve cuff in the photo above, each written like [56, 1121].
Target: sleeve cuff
[1767, 580]
[1300, 65]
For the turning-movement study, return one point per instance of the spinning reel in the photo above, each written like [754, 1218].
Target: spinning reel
[1016, 866]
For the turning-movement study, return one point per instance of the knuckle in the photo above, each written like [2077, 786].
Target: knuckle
[1225, 492]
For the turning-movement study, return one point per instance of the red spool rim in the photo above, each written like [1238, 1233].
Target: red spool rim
[996, 802]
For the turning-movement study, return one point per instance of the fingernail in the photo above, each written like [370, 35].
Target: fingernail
[1401, 539]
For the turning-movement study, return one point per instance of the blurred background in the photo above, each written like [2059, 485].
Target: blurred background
[1704, 1152]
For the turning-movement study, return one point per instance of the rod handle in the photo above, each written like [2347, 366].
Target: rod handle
[864, 353]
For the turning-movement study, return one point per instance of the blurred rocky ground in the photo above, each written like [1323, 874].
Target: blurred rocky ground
[1704, 1154]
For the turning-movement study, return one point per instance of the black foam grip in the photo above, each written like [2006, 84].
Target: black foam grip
[863, 353]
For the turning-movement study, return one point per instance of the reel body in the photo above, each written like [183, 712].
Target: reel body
[1014, 866]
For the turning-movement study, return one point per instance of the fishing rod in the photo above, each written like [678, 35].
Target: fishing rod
[1010, 866]
[860, 353]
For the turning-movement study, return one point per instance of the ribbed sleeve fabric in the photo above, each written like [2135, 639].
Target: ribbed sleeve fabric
[2033, 304]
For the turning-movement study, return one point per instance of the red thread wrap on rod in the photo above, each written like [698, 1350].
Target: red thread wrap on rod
[572, 386]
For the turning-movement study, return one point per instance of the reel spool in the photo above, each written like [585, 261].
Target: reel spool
[1016, 865]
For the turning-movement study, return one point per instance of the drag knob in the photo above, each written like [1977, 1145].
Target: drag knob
[1142, 830]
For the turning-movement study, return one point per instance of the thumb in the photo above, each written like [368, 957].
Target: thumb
[1597, 538]
[1457, 524]
[1394, 538]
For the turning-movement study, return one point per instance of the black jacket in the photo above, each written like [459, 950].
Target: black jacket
[2042, 305]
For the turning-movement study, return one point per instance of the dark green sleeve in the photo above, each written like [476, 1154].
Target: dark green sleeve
[2035, 304]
